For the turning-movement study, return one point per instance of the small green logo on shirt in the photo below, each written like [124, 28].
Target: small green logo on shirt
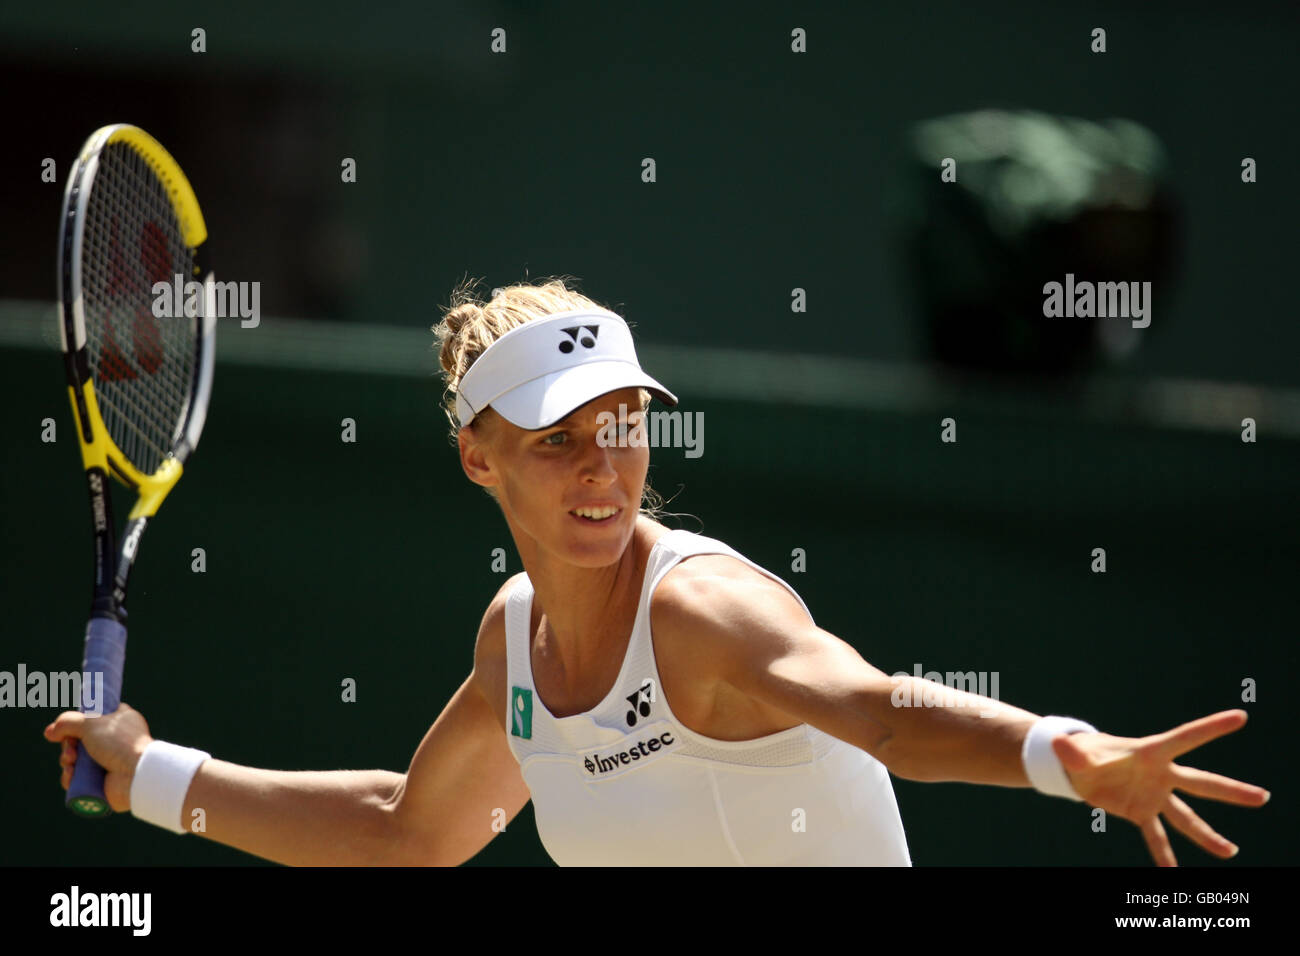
[521, 712]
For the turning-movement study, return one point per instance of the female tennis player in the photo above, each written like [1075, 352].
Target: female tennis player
[658, 696]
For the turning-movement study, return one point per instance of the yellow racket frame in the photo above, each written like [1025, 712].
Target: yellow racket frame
[101, 451]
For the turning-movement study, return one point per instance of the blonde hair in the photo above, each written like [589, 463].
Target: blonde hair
[470, 324]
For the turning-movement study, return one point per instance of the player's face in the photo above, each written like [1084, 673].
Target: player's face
[587, 462]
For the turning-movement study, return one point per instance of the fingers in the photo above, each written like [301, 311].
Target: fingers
[68, 724]
[1158, 843]
[67, 727]
[68, 761]
[1202, 783]
[1186, 822]
[1193, 734]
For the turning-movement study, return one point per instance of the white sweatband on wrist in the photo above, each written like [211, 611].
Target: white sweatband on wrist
[1042, 765]
[162, 778]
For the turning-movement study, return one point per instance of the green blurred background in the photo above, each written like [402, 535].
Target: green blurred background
[371, 560]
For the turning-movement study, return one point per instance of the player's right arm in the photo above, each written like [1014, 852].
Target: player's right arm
[463, 775]
[440, 812]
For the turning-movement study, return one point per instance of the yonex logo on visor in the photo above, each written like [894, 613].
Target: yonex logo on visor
[536, 373]
[588, 341]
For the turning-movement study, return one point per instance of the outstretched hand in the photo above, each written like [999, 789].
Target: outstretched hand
[1135, 778]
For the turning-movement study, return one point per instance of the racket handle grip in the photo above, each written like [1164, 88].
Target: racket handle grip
[105, 654]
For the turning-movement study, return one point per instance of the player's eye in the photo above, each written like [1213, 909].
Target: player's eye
[555, 444]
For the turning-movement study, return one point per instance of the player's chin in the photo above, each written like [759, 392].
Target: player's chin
[597, 543]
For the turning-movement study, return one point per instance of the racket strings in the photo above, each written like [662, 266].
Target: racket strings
[144, 365]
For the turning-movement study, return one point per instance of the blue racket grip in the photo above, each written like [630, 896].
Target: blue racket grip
[105, 654]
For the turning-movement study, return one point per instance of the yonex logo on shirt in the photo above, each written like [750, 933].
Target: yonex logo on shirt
[640, 701]
[597, 764]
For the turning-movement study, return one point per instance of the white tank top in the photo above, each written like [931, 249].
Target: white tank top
[625, 784]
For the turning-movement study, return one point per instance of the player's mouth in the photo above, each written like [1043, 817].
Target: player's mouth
[597, 515]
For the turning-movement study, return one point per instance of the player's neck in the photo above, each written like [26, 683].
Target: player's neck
[588, 609]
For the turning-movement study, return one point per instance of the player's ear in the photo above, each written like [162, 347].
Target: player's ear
[474, 446]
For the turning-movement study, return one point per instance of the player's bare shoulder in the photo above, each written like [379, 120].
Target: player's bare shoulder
[698, 581]
[706, 599]
[490, 649]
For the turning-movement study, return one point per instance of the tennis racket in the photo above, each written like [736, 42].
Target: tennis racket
[139, 376]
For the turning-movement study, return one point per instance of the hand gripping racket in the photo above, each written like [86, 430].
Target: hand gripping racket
[139, 365]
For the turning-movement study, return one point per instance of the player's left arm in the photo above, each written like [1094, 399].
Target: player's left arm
[753, 635]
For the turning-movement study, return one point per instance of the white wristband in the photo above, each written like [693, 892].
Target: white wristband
[162, 778]
[1041, 763]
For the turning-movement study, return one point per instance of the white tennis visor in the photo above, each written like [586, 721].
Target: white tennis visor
[539, 372]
